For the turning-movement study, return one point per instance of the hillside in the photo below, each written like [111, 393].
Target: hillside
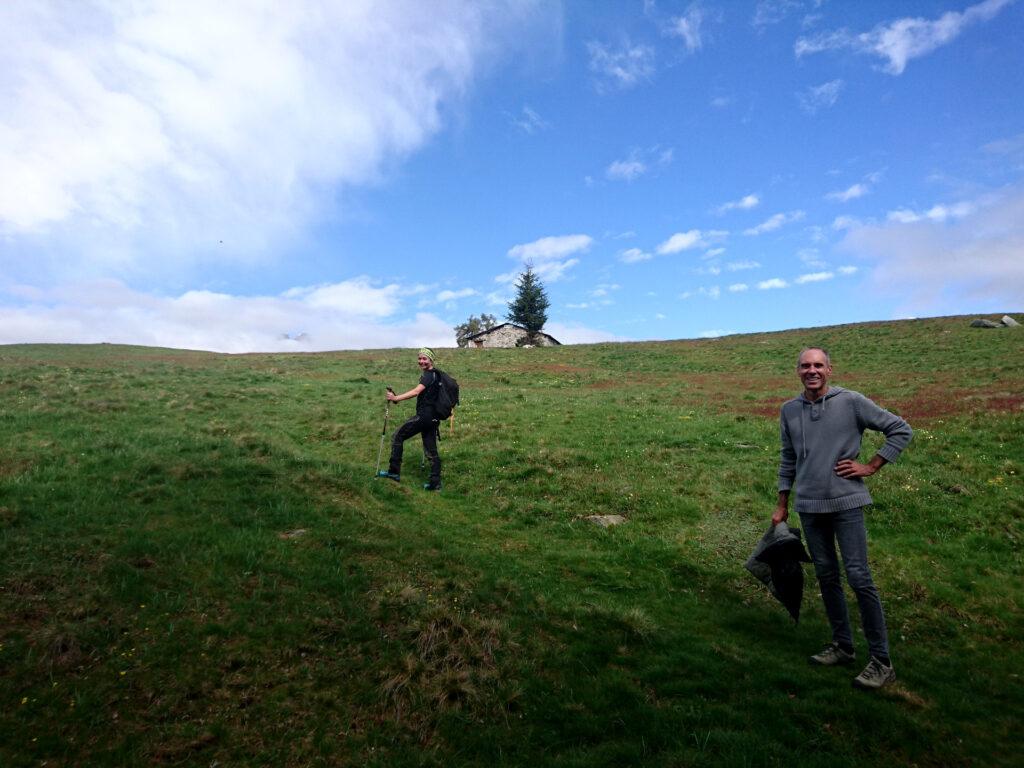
[198, 568]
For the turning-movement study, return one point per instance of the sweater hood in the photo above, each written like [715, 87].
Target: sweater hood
[832, 392]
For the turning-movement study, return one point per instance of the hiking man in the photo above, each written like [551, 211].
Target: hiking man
[821, 432]
[423, 423]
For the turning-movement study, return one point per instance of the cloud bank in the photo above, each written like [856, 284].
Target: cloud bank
[185, 130]
[949, 264]
[354, 314]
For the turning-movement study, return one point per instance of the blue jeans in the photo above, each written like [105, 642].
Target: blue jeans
[823, 530]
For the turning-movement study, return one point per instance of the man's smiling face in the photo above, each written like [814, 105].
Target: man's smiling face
[814, 369]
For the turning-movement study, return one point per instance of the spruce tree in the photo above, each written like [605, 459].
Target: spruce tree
[529, 308]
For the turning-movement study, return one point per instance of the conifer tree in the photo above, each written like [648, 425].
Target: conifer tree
[529, 308]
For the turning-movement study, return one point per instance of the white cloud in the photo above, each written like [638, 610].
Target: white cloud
[847, 270]
[712, 270]
[624, 67]
[814, 277]
[714, 333]
[688, 27]
[498, 299]
[820, 96]
[353, 314]
[738, 287]
[529, 121]
[639, 162]
[634, 255]
[811, 257]
[745, 203]
[768, 12]
[453, 295]
[721, 102]
[548, 248]
[904, 39]
[553, 271]
[850, 193]
[546, 271]
[775, 222]
[712, 253]
[604, 289]
[694, 238]
[775, 282]
[937, 213]
[713, 292]
[356, 296]
[144, 135]
[739, 266]
[845, 222]
[625, 170]
[949, 265]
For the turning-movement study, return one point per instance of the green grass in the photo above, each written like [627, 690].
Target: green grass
[197, 568]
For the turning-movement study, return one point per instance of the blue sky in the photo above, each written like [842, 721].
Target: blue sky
[307, 176]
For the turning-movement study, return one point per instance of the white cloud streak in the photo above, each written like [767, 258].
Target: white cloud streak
[453, 295]
[900, 41]
[745, 203]
[814, 277]
[530, 122]
[635, 255]
[739, 266]
[937, 213]
[548, 248]
[775, 222]
[850, 193]
[773, 283]
[694, 238]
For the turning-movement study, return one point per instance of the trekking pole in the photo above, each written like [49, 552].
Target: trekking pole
[383, 432]
[451, 424]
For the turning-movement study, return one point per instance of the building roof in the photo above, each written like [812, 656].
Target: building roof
[514, 325]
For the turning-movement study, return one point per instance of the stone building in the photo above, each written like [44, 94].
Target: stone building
[508, 335]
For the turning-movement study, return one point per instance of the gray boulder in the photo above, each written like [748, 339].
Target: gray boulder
[984, 324]
[1009, 322]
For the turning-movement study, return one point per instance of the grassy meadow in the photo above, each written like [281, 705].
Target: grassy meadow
[198, 568]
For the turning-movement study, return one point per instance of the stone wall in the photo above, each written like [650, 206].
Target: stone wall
[504, 337]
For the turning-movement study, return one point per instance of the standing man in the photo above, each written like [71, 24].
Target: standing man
[821, 432]
[423, 423]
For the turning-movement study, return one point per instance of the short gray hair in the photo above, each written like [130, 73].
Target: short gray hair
[828, 357]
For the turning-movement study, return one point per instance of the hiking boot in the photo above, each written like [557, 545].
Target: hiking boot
[874, 676]
[390, 475]
[831, 656]
[432, 486]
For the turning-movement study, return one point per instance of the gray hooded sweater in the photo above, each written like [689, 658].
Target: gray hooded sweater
[817, 435]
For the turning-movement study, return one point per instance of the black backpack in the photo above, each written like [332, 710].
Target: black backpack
[447, 395]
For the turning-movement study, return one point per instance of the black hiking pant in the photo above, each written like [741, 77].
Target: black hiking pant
[427, 429]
